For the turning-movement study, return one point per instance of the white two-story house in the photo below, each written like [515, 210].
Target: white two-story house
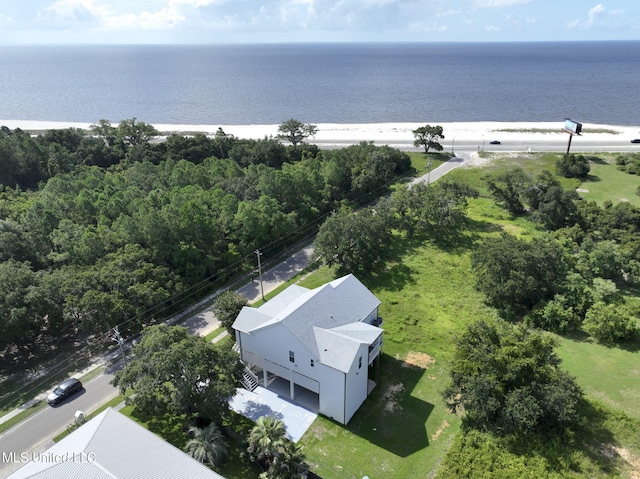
[326, 340]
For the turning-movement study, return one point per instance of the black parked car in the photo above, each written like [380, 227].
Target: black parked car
[495, 142]
[63, 391]
[636, 140]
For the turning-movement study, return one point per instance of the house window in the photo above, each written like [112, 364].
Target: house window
[292, 357]
[313, 363]
[359, 362]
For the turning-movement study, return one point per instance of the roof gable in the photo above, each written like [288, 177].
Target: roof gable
[339, 346]
[331, 312]
[116, 447]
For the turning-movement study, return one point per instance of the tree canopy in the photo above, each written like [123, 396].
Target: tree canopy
[573, 166]
[106, 227]
[428, 137]
[278, 456]
[227, 306]
[207, 445]
[295, 132]
[354, 242]
[438, 211]
[515, 274]
[175, 371]
[506, 379]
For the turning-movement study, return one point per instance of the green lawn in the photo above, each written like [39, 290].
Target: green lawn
[598, 187]
[610, 375]
[403, 429]
[605, 181]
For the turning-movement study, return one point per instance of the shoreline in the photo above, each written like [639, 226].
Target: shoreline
[378, 132]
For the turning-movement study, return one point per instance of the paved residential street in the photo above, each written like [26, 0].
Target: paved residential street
[35, 434]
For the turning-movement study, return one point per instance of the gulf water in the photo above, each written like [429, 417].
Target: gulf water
[594, 82]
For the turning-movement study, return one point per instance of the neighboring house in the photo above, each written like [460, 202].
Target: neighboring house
[112, 446]
[325, 340]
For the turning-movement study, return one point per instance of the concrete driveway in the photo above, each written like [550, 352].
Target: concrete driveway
[264, 402]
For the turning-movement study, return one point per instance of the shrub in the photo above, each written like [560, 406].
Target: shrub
[573, 166]
[227, 306]
[610, 323]
[629, 163]
[557, 315]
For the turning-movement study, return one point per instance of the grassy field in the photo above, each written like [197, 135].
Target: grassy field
[610, 375]
[607, 183]
[403, 429]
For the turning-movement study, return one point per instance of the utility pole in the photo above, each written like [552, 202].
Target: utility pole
[118, 339]
[260, 273]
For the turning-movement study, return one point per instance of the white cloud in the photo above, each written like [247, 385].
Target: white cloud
[192, 3]
[167, 14]
[592, 16]
[572, 24]
[76, 10]
[163, 19]
[498, 3]
[188, 21]
[594, 12]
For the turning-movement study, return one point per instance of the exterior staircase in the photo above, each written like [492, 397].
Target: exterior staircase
[249, 380]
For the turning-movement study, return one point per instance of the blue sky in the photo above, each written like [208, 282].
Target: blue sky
[254, 21]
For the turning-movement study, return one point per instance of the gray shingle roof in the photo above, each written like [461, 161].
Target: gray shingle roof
[327, 319]
[112, 446]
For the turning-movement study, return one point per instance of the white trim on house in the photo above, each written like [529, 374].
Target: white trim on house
[324, 339]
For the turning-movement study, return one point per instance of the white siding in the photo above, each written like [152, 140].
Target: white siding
[269, 348]
[373, 315]
[318, 327]
[331, 393]
[273, 343]
[357, 382]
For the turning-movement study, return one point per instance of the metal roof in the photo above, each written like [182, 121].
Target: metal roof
[112, 446]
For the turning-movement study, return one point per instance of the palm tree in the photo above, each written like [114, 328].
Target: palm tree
[265, 438]
[289, 464]
[207, 446]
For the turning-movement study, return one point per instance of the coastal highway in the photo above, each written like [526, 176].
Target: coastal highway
[34, 434]
[578, 145]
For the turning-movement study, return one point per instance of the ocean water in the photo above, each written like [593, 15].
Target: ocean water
[595, 82]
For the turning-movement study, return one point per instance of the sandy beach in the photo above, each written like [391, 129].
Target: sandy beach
[381, 133]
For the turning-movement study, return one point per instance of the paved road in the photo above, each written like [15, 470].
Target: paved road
[578, 144]
[35, 434]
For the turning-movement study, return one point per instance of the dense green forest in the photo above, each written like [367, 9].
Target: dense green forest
[114, 227]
